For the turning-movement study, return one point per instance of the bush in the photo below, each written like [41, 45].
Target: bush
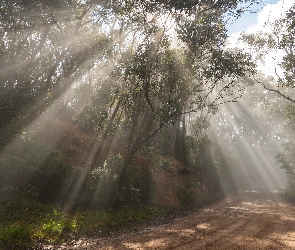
[131, 192]
[15, 236]
[185, 193]
[191, 183]
[164, 163]
[290, 194]
[185, 196]
[32, 170]
[102, 185]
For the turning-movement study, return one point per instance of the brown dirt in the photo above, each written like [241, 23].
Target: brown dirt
[246, 221]
[73, 144]
[165, 189]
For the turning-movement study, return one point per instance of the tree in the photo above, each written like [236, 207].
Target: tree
[281, 39]
[43, 55]
[121, 69]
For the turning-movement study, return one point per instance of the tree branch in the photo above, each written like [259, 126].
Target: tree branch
[275, 91]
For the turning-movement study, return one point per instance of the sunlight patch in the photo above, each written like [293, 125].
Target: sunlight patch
[204, 226]
[156, 243]
[133, 246]
[187, 232]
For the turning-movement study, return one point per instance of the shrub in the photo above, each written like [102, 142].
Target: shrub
[185, 196]
[33, 170]
[164, 163]
[290, 193]
[15, 236]
[131, 193]
[191, 183]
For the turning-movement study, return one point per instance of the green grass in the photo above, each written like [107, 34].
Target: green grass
[25, 223]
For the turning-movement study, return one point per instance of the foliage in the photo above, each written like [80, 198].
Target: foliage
[32, 223]
[286, 43]
[133, 191]
[185, 197]
[290, 194]
[129, 62]
[206, 169]
[18, 220]
[15, 236]
[286, 158]
[33, 170]
[101, 189]
[281, 39]
[163, 163]
[186, 192]
[191, 183]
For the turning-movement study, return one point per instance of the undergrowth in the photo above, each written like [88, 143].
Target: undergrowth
[26, 224]
[290, 194]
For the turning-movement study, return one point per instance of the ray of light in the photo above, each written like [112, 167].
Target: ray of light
[256, 163]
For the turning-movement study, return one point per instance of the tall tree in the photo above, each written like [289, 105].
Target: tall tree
[121, 68]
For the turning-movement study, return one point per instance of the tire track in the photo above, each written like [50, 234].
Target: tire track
[239, 222]
[222, 233]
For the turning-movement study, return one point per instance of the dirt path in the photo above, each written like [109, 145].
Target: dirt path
[240, 222]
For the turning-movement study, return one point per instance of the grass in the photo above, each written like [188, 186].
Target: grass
[26, 223]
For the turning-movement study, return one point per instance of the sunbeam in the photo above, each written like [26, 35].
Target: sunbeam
[254, 152]
[115, 113]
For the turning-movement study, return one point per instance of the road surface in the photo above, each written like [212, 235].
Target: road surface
[246, 221]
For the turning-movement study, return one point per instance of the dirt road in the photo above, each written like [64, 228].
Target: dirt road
[239, 222]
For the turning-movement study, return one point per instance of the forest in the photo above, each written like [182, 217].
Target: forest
[117, 113]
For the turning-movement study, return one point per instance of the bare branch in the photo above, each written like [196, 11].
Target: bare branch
[275, 91]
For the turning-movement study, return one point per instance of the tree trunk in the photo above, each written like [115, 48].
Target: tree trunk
[101, 153]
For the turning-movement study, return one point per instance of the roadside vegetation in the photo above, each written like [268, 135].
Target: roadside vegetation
[28, 224]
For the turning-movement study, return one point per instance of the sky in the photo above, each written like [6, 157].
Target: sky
[267, 12]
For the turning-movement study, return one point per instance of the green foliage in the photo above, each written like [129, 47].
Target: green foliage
[285, 28]
[280, 38]
[205, 167]
[263, 42]
[100, 184]
[136, 187]
[286, 158]
[26, 223]
[185, 193]
[191, 183]
[92, 103]
[102, 190]
[229, 64]
[105, 222]
[55, 226]
[18, 216]
[185, 197]
[16, 236]
[131, 192]
[100, 174]
[164, 163]
[32, 170]
[201, 32]
[290, 194]
[290, 113]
